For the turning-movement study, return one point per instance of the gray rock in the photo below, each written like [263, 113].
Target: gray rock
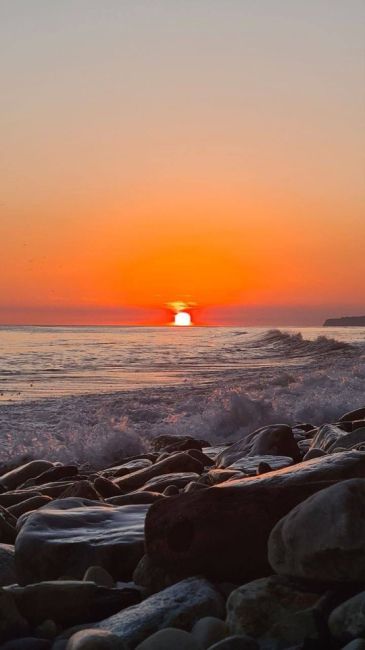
[272, 611]
[236, 642]
[178, 606]
[314, 453]
[94, 640]
[7, 565]
[19, 475]
[348, 619]
[209, 630]
[98, 575]
[69, 602]
[323, 538]
[169, 638]
[70, 535]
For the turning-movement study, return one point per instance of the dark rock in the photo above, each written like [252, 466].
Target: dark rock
[7, 527]
[12, 624]
[11, 498]
[58, 473]
[27, 643]
[29, 504]
[181, 462]
[159, 483]
[170, 490]
[217, 476]
[98, 575]
[7, 565]
[357, 414]
[81, 490]
[236, 642]
[135, 498]
[128, 468]
[169, 638]
[70, 603]
[323, 538]
[94, 640]
[209, 630]
[222, 532]
[251, 464]
[106, 488]
[152, 578]
[178, 606]
[19, 475]
[327, 436]
[163, 441]
[273, 440]
[72, 534]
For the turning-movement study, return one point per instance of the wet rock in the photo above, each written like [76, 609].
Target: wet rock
[328, 435]
[169, 638]
[313, 452]
[273, 440]
[251, 464]
[222, 532]
[216, 476]
[323, 538]
[178, 606]
[180, 462]
[12, 624]
[29, 504]
[159, 483]
[60, 472]
[105, 487]
[165, 441]
[19, 475]
[170, 490]
[349, 440]
[69, 603]
[236, 642]
[348, 619]
[7, 565]
[135, 498]
[270, 610]
[82, 490]
[98, 575]
[357, 414]
[94, 640]
[8, 499]
[27, 643]
[152, 578]
[209, 630]
[72, 534]
[129, 467]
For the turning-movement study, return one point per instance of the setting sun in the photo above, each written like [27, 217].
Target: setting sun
[182, 319]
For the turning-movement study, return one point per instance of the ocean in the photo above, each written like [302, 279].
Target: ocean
[95, 394]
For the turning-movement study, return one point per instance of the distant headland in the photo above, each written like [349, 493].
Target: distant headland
[345, 321]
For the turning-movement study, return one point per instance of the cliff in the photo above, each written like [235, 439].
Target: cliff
[345, 321]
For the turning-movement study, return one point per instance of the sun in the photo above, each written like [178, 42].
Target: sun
[182, 319]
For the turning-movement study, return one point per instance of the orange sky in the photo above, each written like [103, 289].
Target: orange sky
[211, 153]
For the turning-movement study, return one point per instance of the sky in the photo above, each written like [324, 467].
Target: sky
[210, 152]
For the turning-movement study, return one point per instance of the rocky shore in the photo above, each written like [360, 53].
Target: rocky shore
[255, 545]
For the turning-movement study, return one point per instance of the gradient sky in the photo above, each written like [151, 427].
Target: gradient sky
[209, 151]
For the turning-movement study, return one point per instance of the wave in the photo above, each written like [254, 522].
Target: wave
[295, 344]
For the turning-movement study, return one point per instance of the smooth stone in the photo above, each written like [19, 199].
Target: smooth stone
[348, 619]
[70, 535]
[12, 624]
[180, 605]
[180, 462]
[236, 642]
[69, 602]
[357, 414]
[19, 475]
[168, 639]
[273, 440]
[135, 498]
[251, 464]
[105, 487]
[159, 483]
[27, 643]
[152, 578]
[213, 452]
[323, 538]
[313, 452]
[350, 440]
[98, 575]
[128, 467]
[82, 490]
[328, 435]
[7, 527]
[7, 565]
[164, 441]
[216, 476]
[94, 640]
[29, 504]
[8, 499]
[355, 644]
[209, 630]
[269, 609]
[170, 490]
[222, 532]
[53, 474]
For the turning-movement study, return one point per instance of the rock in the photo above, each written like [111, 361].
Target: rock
[181, 462]
[94, 640]
[202, 458]
[7, 565]
[72, 534]
[58, 473]
[170, 490]
[128, 468]
[209, 630]
[323, 538]
[135, 498]
[216, 476]
[105, 487]
[169, 638]
[193, 486]
[349, 440]
[7, 527]
[251, 464]
[12, 624]
[98, 575]
[236, 642]
[152, 578]
[314, 453]
[327, 436]
[222, 532]
[29, 504]
[274, 440]
[27, 643]
[19, 475]
[357, 414]
[69, 603]
[270, 610]
[82, 490]
[11, 498]
[165, 440]
[159, 483]
[348, 619]
[356, 644]
[178, 606]
[47, 629]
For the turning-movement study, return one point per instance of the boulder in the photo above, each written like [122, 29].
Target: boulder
[251, 464]
[178, 606]
[29, 504]
[358, 414]
[69, 535]
[69, 602]
[273, 440]
[163, 441]
[94, 640]
[349, 440]
[323, 538]
[209, 630]
[327, 436]
[12, 498]
[128, 467]
[135, 497]
[105, 487]
[19, 475]
[12, 624]
[181, 462]
[7, 565]
[82, 490]
[159, 483]
[169, 638]
[60, 472]
[348, 619]
[273, 611]
[222, 532]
